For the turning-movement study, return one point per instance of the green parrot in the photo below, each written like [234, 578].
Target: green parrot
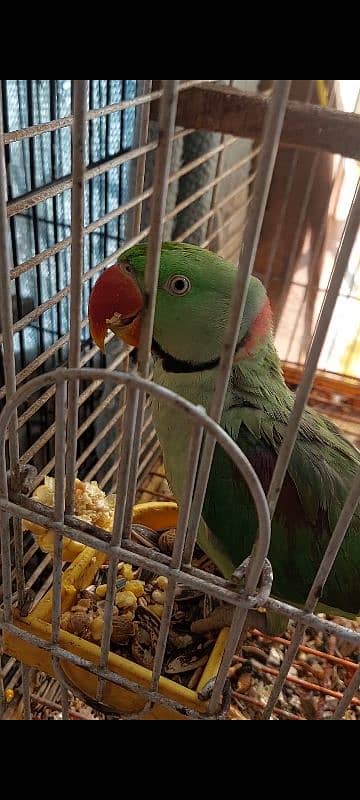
[192, 306]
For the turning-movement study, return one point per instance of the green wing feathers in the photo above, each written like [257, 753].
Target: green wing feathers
[319, 478]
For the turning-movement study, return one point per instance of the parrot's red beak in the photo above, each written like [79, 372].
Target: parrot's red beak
[116, 303]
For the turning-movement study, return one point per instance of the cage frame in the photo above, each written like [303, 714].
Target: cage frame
[273, 113]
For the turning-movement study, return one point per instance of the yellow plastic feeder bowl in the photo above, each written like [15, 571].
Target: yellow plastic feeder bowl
[79, 575]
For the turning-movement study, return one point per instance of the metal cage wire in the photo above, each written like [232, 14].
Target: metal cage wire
[120, 545]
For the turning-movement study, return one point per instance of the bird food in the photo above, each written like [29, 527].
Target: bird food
[136, 618]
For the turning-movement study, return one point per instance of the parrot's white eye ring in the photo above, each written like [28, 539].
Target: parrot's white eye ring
[178, 285]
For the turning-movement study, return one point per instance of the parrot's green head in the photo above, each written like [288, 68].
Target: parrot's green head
[192, 305]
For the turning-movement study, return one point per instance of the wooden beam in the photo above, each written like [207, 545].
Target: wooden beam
[231, 111]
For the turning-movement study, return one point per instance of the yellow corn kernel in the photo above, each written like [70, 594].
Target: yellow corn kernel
[125, 600]
[101, 591]
[136, 587]
[161, 582]
[158, 597]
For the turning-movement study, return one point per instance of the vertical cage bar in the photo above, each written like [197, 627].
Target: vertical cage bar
[134, 407]
[291, 262]
[321, 233]
[158, 209]
[14, 247]
[34, 212]
[106, 177]
[271, 138]
[2, 683]
[184, 514]
[79, 129]
[123, 476]
[121, 168]
[284, 205]
[256, 565]
[125, 465]
[216, 189]
[304, 389]
[54, 138]
[5, 305]
[348, 695]
[302, 216]
[143, 88]
[92, 215]
[60, 487]
[60, 458]
[65, 703]
[25, 680]
[5, 541]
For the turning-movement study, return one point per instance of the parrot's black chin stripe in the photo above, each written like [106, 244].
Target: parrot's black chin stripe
[171, 364]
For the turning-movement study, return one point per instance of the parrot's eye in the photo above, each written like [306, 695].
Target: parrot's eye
[178, 284]
[127, 268]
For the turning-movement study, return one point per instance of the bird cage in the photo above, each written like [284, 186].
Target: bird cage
[264, 174]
